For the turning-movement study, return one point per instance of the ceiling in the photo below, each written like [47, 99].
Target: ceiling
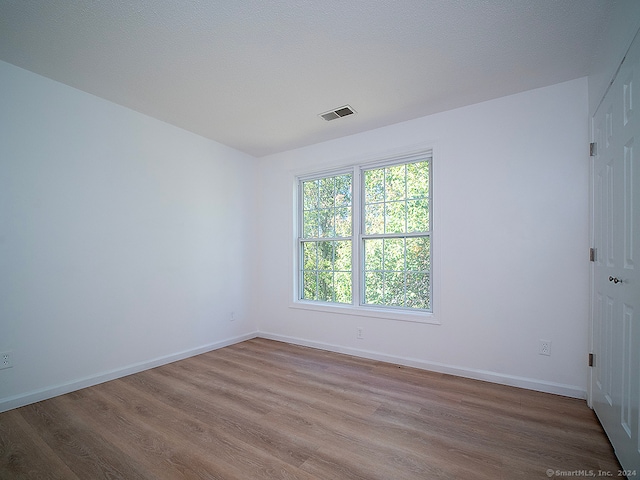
[255, 74]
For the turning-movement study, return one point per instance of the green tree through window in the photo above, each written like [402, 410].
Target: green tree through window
[326, 240]
[396, 237]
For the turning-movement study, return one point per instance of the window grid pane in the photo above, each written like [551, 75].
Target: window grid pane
[326, 207]
[326, 271]
[397, 271]
[396, 199]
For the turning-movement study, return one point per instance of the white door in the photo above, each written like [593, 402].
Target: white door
[615, 380]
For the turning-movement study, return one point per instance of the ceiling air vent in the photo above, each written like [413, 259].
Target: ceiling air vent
[338, 112]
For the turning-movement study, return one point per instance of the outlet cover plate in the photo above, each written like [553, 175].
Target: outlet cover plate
[545, 347]
[5, 360]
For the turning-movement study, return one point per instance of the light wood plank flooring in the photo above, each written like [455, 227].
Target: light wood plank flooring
[264, 409]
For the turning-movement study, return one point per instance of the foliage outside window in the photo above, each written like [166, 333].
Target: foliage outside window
[326, 245]
[365, 236]
[396, 237]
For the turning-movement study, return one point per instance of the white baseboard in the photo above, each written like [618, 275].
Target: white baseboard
[488, 376]
[16, 401]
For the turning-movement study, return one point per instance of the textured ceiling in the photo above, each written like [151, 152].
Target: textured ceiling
[255, 74]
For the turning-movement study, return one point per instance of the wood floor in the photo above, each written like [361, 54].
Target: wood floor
[264, 409]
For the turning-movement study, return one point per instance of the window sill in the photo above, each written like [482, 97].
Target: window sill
[360, 311]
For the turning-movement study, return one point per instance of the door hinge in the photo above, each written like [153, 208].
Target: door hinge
[593, 254]
[593, 149]
[592, 360]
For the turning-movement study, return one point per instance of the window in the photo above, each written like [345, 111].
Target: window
[365, 236]
[326, 243]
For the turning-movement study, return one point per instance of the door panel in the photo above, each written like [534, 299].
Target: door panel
[616, 287]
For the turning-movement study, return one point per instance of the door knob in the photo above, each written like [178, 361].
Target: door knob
[614, 280]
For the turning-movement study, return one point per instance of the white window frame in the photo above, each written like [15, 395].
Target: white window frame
[358, 307]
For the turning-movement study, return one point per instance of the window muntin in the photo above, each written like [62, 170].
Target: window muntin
[365, 236]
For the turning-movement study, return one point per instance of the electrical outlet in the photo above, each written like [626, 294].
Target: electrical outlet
[545, 347]
[5, 360]
[360, 333]
[232, 317]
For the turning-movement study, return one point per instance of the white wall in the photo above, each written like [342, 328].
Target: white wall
[511, 241]
[124, 242]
